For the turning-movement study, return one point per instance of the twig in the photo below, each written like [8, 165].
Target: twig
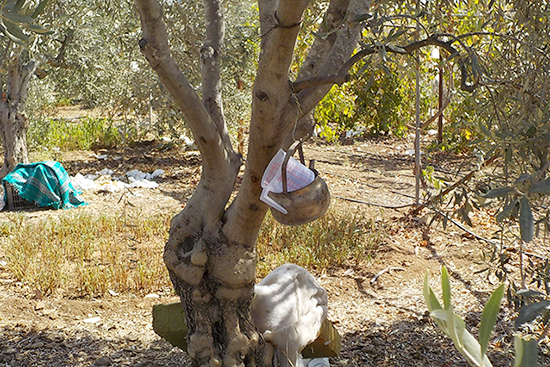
[457, 183]
[544, 332]
[464, 228]
[507, 36]
[373, 204]
[375, 278]
[521, 272]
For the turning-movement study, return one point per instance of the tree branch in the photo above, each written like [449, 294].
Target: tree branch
[347, 37]
[338, 77]
[456, 184]
[332, 21]
[274, 112]
[210, 67]
[154, 45]
[316, 81]
[506, 36]
[321, 47]
[267, 9]
[279, 40]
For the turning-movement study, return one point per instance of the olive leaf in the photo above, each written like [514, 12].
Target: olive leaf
[497, 193]
[506, 211]
[530, 312]
[542, 187]
[527, 352]
[526, 221]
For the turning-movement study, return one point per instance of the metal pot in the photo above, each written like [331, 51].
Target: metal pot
[304, 205]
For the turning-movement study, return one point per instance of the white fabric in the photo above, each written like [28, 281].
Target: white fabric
[289, 308]
[82, 183]
[138, 175]
[103, 181]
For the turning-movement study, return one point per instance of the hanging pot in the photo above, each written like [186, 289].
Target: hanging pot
[303, 205]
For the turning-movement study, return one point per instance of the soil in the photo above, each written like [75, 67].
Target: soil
[377, 306]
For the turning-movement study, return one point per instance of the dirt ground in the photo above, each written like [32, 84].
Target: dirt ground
[377, 307]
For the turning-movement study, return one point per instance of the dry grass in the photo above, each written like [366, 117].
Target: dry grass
[79, 254]
[337, 238]
[87, 255]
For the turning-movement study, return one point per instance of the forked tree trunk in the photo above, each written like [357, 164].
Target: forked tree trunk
[211, 253]
[13, 121]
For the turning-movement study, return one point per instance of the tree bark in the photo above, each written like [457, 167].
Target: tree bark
[326, 57]
[211, 253]
[13, 121]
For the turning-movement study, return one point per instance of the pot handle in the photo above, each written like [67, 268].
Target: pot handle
[295, 145]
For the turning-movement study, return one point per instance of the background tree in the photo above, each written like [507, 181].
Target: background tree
[16, 69]
[93, 60]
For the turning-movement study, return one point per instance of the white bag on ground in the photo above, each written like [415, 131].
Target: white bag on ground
[289, 309]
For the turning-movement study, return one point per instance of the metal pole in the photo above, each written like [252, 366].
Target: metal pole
[440, 102]
[417, 162]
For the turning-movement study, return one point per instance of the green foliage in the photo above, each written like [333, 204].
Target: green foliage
[534, 305]
[336, 238]
[335, 113]
[516, 201]
[527, 352]
[19, 15]
[454, 327]
[511, 118]
[379, 102]
[372, 105]
[82, 134]
[102, 67]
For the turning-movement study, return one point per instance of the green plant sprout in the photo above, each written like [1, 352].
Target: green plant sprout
[474, 351]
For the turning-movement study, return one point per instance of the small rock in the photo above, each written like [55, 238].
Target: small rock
[92, 320]
[39, 305]
[103, 361]
[36, 345]
[369, 348]
[48, 312]
[152, 295]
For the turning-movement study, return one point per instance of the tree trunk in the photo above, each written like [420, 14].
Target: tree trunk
[13, 122]
[211, 253]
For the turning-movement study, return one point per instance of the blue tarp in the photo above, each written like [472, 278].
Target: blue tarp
[45, 184]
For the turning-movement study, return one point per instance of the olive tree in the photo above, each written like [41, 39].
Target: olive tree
[210, 253]
[16, 69]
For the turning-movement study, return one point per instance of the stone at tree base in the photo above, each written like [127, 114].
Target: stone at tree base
[169, 324]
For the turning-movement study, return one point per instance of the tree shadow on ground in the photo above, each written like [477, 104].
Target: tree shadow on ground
[181, 166]
[412, 343]
[405, 343]
[21, 346]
